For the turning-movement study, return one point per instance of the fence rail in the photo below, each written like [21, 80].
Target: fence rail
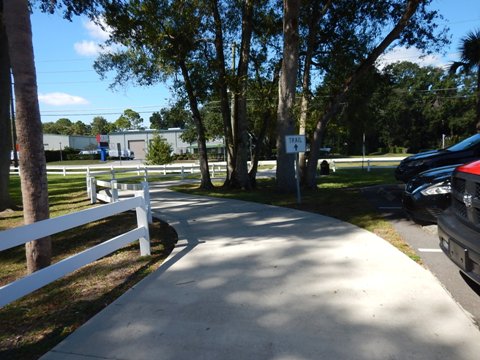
[184, 169]
[23, 234]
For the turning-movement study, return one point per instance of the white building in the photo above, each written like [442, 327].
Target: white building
[59, 142]
[135, 140]
[138, 140]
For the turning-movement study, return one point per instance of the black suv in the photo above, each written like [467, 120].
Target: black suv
[459, 225]
[465, 151]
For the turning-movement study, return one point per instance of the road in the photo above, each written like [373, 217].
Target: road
[424, 240]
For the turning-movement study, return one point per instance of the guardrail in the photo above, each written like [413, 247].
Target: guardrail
[23, 234]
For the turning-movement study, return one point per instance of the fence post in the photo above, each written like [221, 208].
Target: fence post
[213, 170]
[138, 170]
[142, 221]
[332, 162]
[368, 165]
[164, 169]
[87, 182]
[64, 171]
[183, 173]
[146, 196]
[93, 190]
[113, 187]
[145, 176]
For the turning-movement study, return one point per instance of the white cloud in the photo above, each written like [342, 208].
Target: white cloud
[96, 31]
[95, 45]
[59, 99]
[411, 54]
[87, 48]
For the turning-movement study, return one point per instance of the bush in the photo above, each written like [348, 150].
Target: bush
[82, 156]
[159, 151]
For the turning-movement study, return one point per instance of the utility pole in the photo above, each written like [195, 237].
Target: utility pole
[12, 119]
[233, 104]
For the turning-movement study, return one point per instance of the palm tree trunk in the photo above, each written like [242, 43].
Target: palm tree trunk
[5, 128]
[16, 17]
[478, 99]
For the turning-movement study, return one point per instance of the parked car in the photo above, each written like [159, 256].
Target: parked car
[90, 152]
[463, 152]
[123, 154]
[427, 194]
[459, 225]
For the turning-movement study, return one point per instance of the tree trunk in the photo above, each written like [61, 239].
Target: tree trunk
[33, 174]
[335, 104]
[478, 99]
[5, 128]
[222, 90]
[206, 182]
[286, 95]
[258, 147]
[317, 13]
[240, 174]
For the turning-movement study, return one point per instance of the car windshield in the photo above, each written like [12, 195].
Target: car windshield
[465, 144]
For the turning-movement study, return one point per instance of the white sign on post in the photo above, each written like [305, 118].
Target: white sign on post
[294, 144]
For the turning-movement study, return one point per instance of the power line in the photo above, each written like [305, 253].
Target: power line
[92, 114]
[64, 71]
[103, 109]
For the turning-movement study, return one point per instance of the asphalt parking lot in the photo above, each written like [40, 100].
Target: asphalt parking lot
[424, 240]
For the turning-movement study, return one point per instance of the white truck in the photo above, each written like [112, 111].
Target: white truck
[125, 154]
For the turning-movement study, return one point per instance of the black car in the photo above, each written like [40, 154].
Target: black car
[427, 194]
[465, 151]
[459, 225]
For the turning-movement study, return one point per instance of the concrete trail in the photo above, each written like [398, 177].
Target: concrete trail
[250, 281]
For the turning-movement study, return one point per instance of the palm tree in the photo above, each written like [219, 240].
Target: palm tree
[16, 18]
[5, 127]
[470, 60]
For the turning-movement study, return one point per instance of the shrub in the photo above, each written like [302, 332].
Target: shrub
[159, 151]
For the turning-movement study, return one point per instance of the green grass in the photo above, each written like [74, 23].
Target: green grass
[338, 195]
[37, 322]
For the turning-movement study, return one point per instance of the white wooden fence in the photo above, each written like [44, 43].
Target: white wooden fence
[367, 163]
[215, 168]
[23, 234]
[158, 170]
[111, 194]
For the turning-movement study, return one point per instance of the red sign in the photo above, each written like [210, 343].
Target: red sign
[102, 138]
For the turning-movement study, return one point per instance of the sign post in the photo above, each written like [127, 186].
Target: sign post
[295, 144]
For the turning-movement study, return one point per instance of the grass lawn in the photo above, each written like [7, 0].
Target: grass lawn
[34, 324]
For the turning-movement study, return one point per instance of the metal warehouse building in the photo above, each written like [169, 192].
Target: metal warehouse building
[138, 140]
[135, 140]
[59, 142]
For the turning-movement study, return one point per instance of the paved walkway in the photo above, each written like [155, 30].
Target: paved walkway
[249, 281]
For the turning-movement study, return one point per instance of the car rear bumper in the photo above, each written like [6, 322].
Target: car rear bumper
[460, 243]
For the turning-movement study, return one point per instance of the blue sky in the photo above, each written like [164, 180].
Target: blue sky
[69, 87]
